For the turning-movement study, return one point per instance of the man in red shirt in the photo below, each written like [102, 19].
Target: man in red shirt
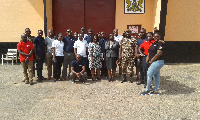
[25, 49]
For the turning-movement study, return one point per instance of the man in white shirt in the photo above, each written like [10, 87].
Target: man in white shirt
[83, 31]
[118, 38]
[58, 56]
[48, 42]
[81, 47]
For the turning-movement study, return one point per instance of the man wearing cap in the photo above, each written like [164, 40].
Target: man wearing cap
[25, 49]
[126, 55]
[69, 55]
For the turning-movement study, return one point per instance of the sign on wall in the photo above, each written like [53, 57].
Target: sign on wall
[134, 6]
[135, 29]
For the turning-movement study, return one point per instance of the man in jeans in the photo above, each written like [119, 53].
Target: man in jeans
[139, 57]
[25, 49]
[69, 55]
[48, 42]
[39, 50]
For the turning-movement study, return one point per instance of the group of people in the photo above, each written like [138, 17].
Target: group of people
[92, 56]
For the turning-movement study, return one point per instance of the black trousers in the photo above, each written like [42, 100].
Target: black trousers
[104, 71]
[39, 66]
[140, 65]
[57, 67]
[145, 68]
[88, 69]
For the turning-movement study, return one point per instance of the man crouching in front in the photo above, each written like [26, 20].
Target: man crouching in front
[78, 70]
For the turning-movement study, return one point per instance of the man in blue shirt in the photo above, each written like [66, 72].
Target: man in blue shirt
[104, 71]
[139, 58]
[78, 69]
[69, 55]
[89, 37]
[39, 50]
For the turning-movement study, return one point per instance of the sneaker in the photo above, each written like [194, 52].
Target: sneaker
[154, 93]
[83, 81]
[73, 81]
[145, 93]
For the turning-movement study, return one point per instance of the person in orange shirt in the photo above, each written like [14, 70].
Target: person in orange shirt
[143, 49]
[25, 49]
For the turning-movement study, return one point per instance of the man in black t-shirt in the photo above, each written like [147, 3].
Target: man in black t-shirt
[78, 69]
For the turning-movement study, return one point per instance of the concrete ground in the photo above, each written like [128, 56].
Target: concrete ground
[179, 97]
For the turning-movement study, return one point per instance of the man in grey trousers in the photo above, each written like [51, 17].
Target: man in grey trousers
[69, 55]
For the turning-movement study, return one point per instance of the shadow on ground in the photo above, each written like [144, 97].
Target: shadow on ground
[173, 87]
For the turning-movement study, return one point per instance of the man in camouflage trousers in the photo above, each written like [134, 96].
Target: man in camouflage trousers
[126, 55]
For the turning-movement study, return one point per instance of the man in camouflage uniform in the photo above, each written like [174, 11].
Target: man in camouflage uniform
[126, 55]
[28, 34]
[30, 38]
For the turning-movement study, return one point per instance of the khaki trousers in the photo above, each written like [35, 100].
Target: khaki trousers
[28, 65]
[73, 76]
[49, 64]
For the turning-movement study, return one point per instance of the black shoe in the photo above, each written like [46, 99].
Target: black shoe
[98, 78]
[39, 80]
[54, 80]
[123, 78]
[131, 79]
[31, 82]
[93, 79]
[139, 83]
[83, 81]
[26, 82]
[73, 81]
[110, 79]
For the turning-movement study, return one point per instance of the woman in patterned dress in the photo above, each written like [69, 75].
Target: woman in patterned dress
[95, 57]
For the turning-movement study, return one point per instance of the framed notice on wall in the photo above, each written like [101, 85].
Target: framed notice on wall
[135, 29]
[134, 6]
